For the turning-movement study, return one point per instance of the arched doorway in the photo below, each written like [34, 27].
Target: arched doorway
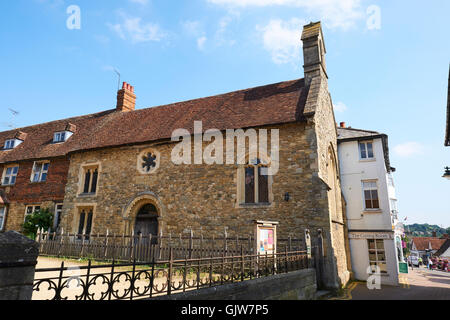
[147, 222]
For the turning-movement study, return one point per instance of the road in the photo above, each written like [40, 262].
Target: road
[419, 284]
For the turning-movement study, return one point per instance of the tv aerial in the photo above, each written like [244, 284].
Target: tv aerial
[10, 125]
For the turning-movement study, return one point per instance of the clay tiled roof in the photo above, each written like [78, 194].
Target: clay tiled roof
[272, 104]
[423, 243]
[443, 248]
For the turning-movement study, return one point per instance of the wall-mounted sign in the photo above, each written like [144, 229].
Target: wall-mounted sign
[266, 237]
[371, 235]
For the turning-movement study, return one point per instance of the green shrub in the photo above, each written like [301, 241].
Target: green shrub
[37, 220]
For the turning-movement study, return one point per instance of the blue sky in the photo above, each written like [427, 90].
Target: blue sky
[390, 78]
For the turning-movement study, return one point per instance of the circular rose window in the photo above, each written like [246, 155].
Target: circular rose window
[148, 161]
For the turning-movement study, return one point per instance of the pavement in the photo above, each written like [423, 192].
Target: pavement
[419, 284]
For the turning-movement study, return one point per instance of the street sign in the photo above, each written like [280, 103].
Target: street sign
[403, 267]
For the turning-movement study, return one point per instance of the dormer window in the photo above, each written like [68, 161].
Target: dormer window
[9, 144]
[15, 142]
[61, 136]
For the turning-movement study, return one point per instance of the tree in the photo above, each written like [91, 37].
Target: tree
[42, 219]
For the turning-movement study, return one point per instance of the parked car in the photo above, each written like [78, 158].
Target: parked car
[413, 259]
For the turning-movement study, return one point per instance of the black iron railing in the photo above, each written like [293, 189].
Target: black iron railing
[139, 280]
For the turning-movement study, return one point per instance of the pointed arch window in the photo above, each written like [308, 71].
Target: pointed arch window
[256, 183]
[85, 223]
[89, 179]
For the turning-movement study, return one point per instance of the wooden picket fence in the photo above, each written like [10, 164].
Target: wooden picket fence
[143, 248]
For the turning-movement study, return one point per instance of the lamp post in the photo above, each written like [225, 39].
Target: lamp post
[447, 173]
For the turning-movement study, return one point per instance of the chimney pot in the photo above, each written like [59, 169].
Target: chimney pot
[126, 99]
[342, 124]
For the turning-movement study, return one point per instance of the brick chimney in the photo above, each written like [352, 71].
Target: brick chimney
[126, 99]
[313, 52]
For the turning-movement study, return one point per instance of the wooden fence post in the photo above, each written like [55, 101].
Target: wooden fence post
[160, 245]
[105, 252]
[191, 244]
[61, 243]
[225, 248]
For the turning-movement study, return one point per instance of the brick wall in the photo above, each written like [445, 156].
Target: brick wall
[24, 192]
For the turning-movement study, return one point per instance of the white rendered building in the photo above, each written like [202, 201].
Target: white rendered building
[371, 204]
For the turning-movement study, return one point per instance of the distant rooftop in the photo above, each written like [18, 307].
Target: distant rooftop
[352, 133]
[348, 134]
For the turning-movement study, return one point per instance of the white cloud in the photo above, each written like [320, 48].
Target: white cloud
[132, 28]
[195, 29]
[282, 40]
[192, 28]
[340, 107]
[101, 39]
[141, 2]
[334, 13]
[51, 3]
[409, 149]
[224, 23]
[201, 43]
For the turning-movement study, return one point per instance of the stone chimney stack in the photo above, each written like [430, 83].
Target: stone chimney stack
[126, 99]
[313, 52]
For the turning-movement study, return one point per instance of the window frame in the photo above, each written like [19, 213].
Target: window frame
[140, 161]
[61, 135]
[3, 211]
[88, 214]
[377, 251]
[57, 216]
[5, 169]
[364, 189]
[41, 173]
[256, 165]
[366, 150]
[9, 144]
[33, 210]
[82, 179]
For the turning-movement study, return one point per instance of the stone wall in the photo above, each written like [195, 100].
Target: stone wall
[298, 285]
[15, 216]
[327, 163]
[201, 197]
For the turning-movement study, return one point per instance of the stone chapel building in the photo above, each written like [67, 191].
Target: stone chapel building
[120, 175]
